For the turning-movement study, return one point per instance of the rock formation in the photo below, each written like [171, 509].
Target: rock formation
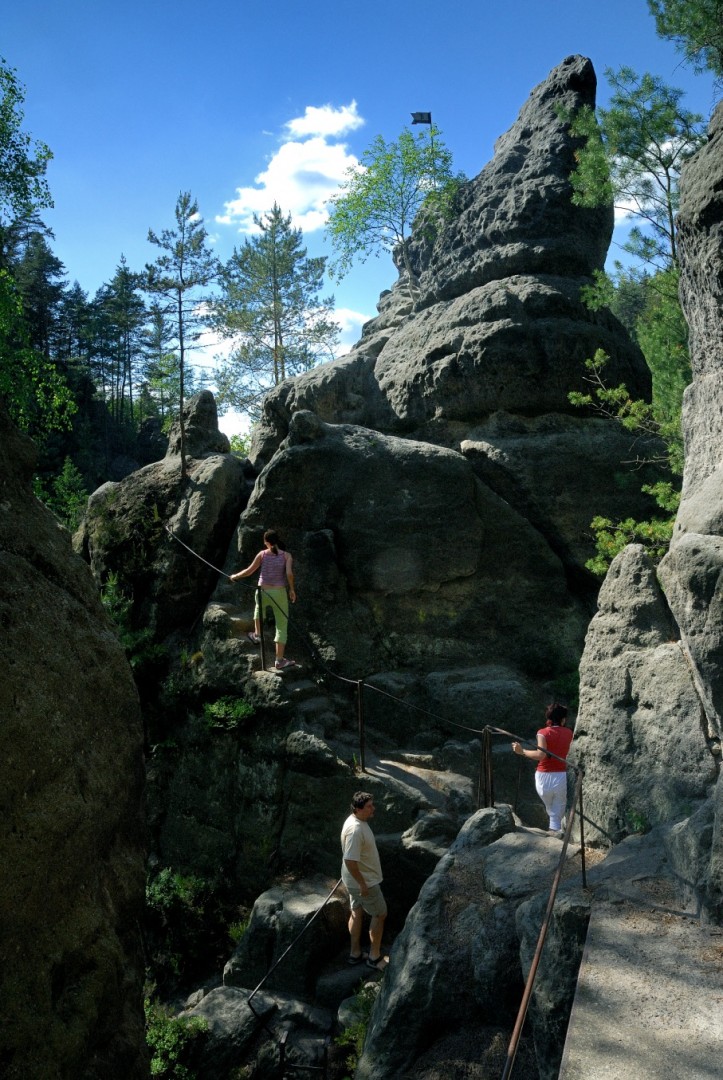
[436, 486]
[125, 529]
[651, 697]
[71, 829]
[455, 965]
[484, 359]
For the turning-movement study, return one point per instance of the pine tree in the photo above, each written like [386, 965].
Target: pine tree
[180, 279]
[272, 311]
[696, 27]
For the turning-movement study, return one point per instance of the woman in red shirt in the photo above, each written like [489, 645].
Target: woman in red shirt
[551, 773]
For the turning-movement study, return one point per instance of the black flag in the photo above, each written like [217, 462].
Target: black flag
[421, 118]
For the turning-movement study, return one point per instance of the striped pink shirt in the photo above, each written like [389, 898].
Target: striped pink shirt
[273, 570]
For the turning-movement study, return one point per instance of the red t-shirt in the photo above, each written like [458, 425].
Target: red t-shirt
[558, 741]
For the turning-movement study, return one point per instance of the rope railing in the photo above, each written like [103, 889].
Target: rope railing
[485, 796]
[281, 1042]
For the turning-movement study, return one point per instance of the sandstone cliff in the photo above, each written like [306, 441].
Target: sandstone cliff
[651, 701]
[71, 828]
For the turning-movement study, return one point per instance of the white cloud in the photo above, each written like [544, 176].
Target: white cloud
[303, 172]
[350, 321]
[326, 121]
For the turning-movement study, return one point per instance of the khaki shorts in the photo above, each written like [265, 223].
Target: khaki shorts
[373, 903]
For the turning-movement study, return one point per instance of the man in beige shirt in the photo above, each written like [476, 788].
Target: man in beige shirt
[361, 872]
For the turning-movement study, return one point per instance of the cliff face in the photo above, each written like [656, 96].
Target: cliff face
[651, 702]
[435, 485]
[71, 788]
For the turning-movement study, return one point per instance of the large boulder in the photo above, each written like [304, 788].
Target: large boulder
[700, 242]
[308, 910]
[691, 571]
[127, 527]
[71, 828]
[651, 694]
[456, 963]
[638, 734]
[403, 554]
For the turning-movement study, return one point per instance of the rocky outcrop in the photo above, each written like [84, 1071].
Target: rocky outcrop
[640, 732]
[700, 241]
[484, 359]
[406, 557]
[278, 918]
[455, 965]
[691, 571]
[71, 788]
[516, 217]
[651, 698]
[126, 527]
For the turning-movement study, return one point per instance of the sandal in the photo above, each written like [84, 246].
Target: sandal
[354, 960]
[253, 637]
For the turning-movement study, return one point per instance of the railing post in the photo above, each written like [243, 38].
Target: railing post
[261, 623]
[360, 716]
[582, 838]
[486, 781]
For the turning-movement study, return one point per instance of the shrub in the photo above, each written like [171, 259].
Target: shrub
[228, 713]
[172, 1041]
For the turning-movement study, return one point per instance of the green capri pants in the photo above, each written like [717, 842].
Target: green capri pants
[276, 598]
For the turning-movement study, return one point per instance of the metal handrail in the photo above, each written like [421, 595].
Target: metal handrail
[532, 973]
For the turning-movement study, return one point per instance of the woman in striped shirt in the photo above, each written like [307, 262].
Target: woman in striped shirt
[276, 585]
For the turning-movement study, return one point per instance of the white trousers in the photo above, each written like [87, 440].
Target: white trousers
[552, 789]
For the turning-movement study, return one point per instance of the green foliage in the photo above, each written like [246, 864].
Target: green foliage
[662, 334]
[172, 1041]
[241, 444]
[227, 714]
[378, 202]
[612, 536]
[272, 309]
[182, 917]
[34, 391]
[639, 418]
[23, 161]
[637, 821]
[354, 1035]
[237, 929]
[179, 279]
[696, 27]
[632, 154]
[139, 645]
[69, 496]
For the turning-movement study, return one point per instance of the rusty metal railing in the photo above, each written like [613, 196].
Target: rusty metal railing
[532, 974]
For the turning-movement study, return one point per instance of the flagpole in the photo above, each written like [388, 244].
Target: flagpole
[431, 148]
[426, 118]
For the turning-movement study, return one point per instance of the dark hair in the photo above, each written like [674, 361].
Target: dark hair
[555, 713]
[272, 537]
[360, 799]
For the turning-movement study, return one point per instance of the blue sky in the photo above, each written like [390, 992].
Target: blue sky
[246, 103]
